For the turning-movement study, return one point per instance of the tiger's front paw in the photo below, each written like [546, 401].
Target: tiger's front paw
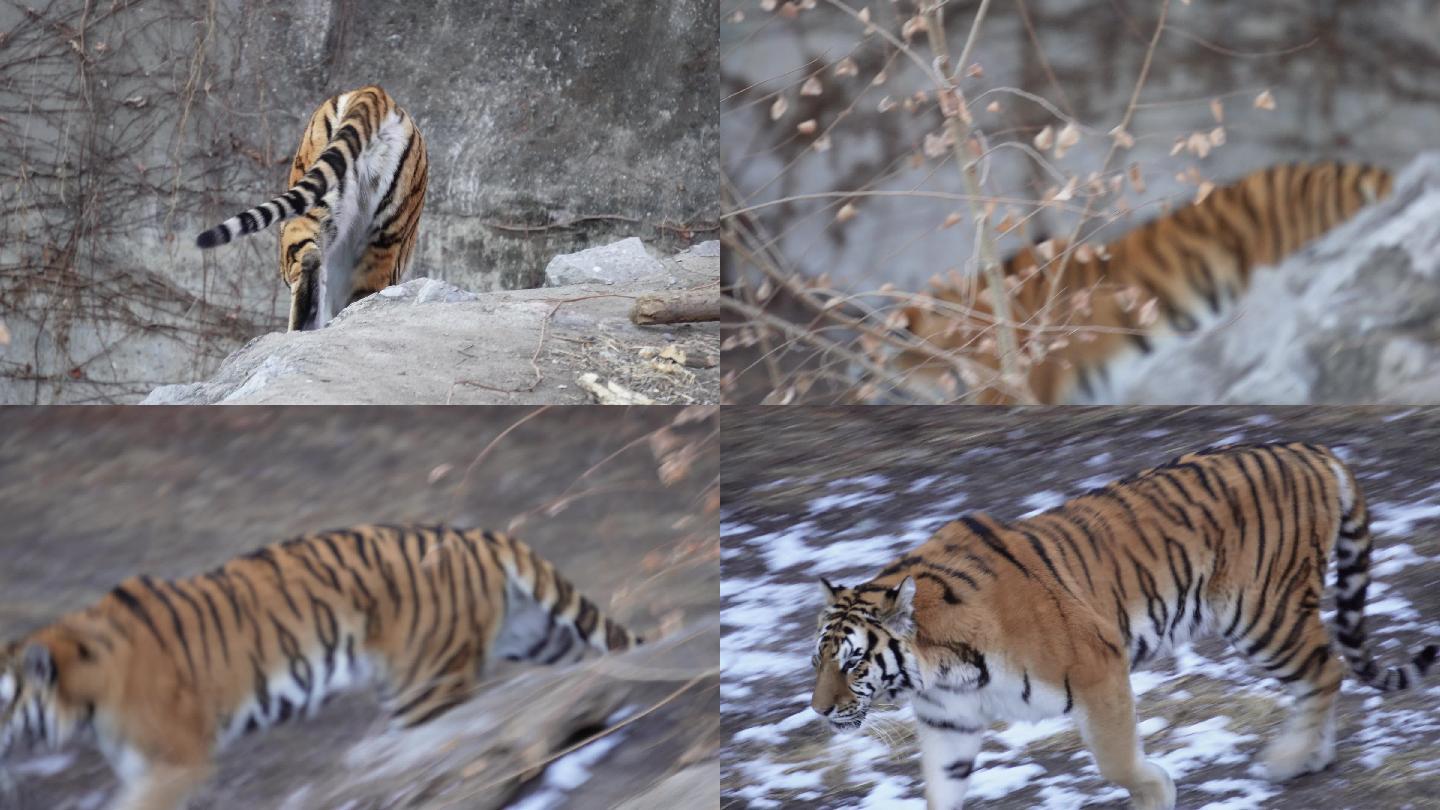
[1157, 791]
[944, 799]
[1294, 755]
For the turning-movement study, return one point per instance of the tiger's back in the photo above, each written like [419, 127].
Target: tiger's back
[165, 672]
[352, 212]
[1152, 560]
[1234, 540]
[1080, 321]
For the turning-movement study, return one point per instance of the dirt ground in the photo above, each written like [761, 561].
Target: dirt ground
[870, 482]
[91, 496]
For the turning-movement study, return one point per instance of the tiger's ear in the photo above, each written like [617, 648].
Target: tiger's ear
[37, 664]
[832, 592]
[900, 614]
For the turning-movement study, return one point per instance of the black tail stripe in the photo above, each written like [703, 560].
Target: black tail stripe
[615, 635]
[314, 185]
[586, 618]
[296, 200]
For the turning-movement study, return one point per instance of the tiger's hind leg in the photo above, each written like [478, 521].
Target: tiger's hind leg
[300, 253]
[390, 242]
[1106, 714]
[1312, 672]
[424, 694]
[384, 260]
[378, 267]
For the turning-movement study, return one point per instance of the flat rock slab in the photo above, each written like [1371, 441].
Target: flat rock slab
[428, 342]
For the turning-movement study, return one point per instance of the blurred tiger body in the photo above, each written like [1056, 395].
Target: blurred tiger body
[166, 673]
[1045, 616]
[1080, 330]
[352, 212]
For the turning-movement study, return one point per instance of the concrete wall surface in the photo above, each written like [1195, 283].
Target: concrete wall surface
[127, 127]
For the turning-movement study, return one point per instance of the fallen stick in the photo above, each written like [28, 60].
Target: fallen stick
[686, 306]
[609, 392]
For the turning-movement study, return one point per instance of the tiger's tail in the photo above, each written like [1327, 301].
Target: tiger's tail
[568, 609]
[324, 181]
[1352, 579]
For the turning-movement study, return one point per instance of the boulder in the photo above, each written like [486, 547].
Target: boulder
[617, 262]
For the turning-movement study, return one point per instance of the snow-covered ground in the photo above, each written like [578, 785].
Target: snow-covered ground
[838, 493]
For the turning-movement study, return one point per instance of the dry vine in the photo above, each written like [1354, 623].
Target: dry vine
[96, 99]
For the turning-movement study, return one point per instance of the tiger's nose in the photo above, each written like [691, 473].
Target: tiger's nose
[817, 706]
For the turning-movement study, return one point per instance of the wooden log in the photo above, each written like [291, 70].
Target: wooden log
[686, 306]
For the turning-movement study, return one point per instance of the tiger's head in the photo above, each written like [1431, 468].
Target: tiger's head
[34, 706]
[863, 651]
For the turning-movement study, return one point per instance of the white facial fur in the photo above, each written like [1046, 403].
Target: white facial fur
[7, 688]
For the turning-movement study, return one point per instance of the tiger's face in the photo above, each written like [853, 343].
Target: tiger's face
[15, 691]
[31, 706]
[863, 650]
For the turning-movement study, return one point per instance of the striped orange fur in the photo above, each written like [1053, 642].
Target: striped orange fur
[352, 212]
[1080, 320]
[995, 620]
[167, 673]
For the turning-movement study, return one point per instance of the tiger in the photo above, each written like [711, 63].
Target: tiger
[1193, 264]
[165, 674]
[352, 212]
[1047, 615]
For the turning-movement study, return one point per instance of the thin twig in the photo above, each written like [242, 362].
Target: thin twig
[465, 478]
[1006, 343]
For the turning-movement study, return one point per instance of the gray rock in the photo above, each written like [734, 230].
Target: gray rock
[617, 262]
[429, 342]
[1353, 318]
[416, 291]
[711, 248]
[695, 786]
